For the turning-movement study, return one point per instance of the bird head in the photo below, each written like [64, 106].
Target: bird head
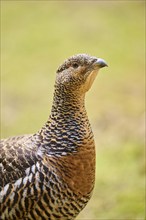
[78, 72]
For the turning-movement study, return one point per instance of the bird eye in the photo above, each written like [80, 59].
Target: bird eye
[75, 65]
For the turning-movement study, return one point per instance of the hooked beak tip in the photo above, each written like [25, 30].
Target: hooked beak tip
[101, 63]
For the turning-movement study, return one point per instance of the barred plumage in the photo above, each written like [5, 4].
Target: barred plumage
[51, 174]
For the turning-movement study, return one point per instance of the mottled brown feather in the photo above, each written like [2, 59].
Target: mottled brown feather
[50, 175]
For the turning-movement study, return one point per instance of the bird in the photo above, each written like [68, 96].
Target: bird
[50, 174]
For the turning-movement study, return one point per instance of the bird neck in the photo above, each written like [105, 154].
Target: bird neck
[68, 140]
[68, 126]
[68, 104]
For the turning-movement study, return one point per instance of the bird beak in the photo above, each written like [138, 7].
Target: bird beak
[100, 63]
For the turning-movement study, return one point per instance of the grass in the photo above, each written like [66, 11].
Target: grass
[36, 36]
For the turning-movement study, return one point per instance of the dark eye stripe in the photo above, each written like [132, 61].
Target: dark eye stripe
[71, 62]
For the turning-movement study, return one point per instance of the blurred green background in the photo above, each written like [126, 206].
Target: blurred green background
[36, 36]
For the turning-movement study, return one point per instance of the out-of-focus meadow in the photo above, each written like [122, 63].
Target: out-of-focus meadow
[36, 36]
